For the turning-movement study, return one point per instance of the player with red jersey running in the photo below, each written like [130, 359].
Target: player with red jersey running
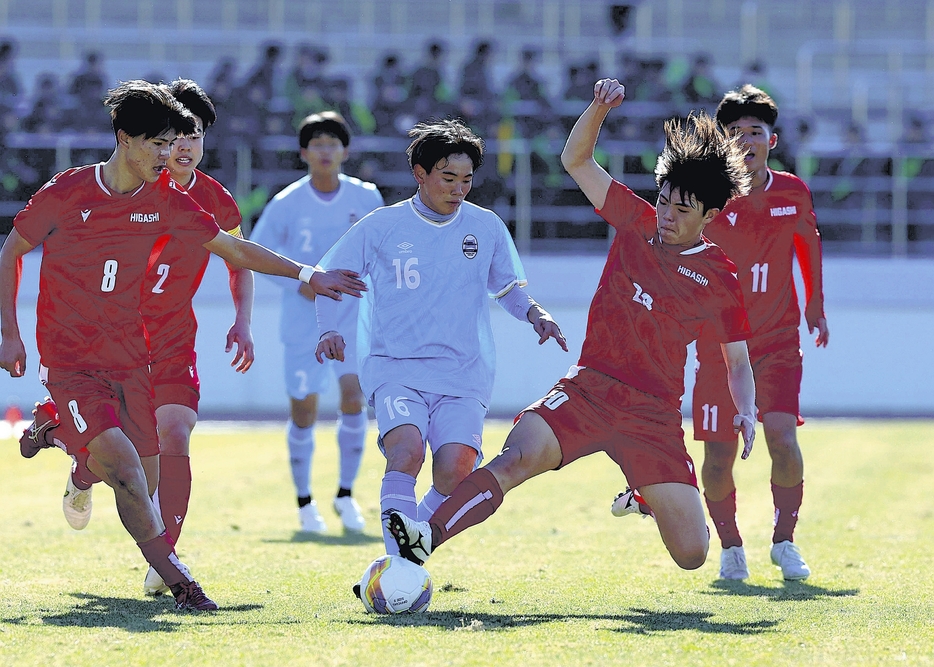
[98, 225]
[663, 281]
[761, 233]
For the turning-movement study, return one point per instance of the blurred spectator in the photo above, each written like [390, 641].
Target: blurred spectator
[46, 115]
[581, 80]
[390, 94]
[305, 83]
[357, 116]
[10, 88]
[700, 86]
[525, 99]
[86, 90]
[428, 92]
[754, 72]
[264, 73]
[476, 104]
[220, 88]
[915, 136]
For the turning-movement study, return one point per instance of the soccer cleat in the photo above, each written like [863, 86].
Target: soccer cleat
[413, 537]
[787, 556]
[76, 504]
[349, 512]
[45, 418]
[311, 519]
[190, 597]
[153, 585]
[630, 502]
[733, 564]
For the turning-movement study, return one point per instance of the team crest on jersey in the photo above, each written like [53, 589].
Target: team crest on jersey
[732, 218]
[470, 246]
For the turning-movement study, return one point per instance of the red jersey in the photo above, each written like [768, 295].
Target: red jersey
[653, 300]
[761, 233]
[96, 246]
[173, 280]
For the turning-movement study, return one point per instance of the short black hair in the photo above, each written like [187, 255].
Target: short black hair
[141, 108]
[702, 160]
[193, 98]
[434, 140]
[747, 101]
[326, 122]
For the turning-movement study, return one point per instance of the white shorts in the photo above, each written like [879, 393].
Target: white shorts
[440, 419]
[305, 376]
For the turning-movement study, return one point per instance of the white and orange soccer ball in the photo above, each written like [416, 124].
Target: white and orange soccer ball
[394, 585]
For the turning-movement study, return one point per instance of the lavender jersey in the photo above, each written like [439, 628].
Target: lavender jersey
[301, 225]
[428, 313]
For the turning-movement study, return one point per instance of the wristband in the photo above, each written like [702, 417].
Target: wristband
[306, 273]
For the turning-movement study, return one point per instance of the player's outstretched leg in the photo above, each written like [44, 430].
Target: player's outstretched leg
[35, 437]
[413, 537]
[77, 502]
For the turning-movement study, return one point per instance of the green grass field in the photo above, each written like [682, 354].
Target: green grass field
[551, 579]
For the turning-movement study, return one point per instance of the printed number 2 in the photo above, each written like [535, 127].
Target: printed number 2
[80, 424]
[110, 276]
[163, 272]
[760, 277]
[397, 403]
[710, 417]
[412, 277]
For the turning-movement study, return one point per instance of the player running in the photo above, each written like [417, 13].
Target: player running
[98, 225]
[662, 283]
[304, 221]
[761, 233]
[434, 260]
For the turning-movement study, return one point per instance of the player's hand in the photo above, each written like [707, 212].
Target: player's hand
[823, 333]
[609, 92]
[330, 346]
[745, 425]
[13, 357]
[241, 336]
[546, 328]
[334, 282]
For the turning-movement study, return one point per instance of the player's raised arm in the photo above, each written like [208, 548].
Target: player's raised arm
[249, 255]
[743, 390]
[577, 156]
[12, 350]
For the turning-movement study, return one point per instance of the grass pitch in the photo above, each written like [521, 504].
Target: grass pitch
[551, 579]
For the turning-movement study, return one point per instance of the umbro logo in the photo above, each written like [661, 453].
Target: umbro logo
[732, 218]
[405, 246]
[85, 214]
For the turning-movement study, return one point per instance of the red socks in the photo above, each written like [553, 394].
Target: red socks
[723, 514]
[174, 492]
[160, 553]
[473, 501]
[787, 503]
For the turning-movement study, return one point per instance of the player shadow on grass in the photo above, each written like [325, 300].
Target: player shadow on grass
[133, 615]
[639, 621]
[791, 590]
[336, 539]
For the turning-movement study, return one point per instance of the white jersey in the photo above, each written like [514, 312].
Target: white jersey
[428, 309]
[301, 225]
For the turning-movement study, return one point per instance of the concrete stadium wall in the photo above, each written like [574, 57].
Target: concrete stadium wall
[879, 362]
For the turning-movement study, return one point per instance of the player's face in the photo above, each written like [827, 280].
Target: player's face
[757, 138]
[146, 158]
[680, 221]
[444, 189]
[324, 155]
[187, 152]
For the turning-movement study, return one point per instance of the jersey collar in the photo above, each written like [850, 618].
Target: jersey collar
[99, 177]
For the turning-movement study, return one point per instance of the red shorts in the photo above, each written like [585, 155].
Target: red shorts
[176, 382]
[91, 402]
[592, 412]
[778, 384]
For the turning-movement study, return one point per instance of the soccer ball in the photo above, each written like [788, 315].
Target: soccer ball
[394, 585]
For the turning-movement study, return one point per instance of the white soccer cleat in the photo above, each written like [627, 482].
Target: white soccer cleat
[630, 502]
[153, 585]
[413, 537]
[733, 564]
[787, 556]
[311, 519]
[349, 512]
[76, 504]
